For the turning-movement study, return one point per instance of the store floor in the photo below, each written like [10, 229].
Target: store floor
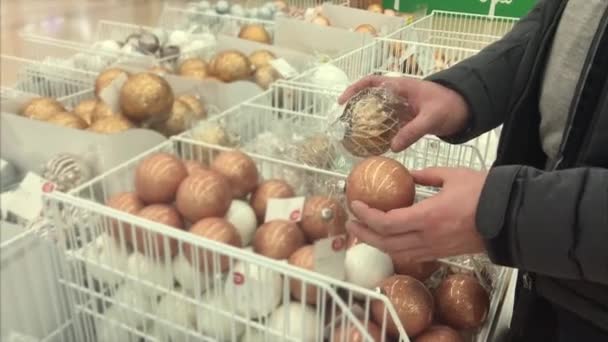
[69, 19]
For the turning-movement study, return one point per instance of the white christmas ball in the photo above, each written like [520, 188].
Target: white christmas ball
[265, 13]
[146, 269]
[257, 291]
[178, 312]
[178, 37]
[237, 10]
[366, 266]
[213, 324]
[203, 5]
[128, 49]
[187, 276]
[96, 63]
[243, 218]
[196, 45]
[107, 45]
[130, 298]
[330, 76]
[298, 320]
[222, 7]
[104, 257]
[109, 331]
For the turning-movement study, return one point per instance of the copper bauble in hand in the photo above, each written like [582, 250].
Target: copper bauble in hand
[381, 183]
[322, 217]
[462, 302]
[146, 97]
[256, 33]
[412, 301]
[371, 119]
[158, 176]
[278, 239]
[231, 65]
[440, 333]
[42, 108]
[216, 229]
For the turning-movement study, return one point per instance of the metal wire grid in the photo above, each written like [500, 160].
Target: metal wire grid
[29, 76]
[176, 18]
[34, 306]
[224, 310]
[276, 121]
[110, 289]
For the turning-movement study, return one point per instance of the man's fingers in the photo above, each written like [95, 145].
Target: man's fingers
[415, 255]
[433, 176]
[411, 132]
[366, 82]
[397, 221]
[407, 241]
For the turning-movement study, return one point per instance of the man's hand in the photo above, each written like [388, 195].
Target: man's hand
[437, 227]
[437, 109]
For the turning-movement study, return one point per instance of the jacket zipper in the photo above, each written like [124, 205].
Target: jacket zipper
[579, 89]
[542, 47]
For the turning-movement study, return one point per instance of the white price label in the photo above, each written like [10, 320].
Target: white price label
[285, 209]
[283, 68]
[329, 255]
[27, 200]
[111, 94]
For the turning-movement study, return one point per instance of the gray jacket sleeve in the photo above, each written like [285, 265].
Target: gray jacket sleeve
[552, 223]
[486, 80]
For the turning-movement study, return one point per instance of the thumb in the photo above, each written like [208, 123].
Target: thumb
[411, 132]
[433, 176]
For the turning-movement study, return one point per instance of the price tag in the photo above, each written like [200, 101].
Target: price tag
[329, 255]
[283, 68]
[111, 94]
[285, 209]
[26, 202]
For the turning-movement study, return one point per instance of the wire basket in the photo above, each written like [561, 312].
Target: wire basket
[112, 293]
[32, 77]
[191, 19]
[279, 123]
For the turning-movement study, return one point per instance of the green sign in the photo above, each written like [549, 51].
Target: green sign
[506, 8]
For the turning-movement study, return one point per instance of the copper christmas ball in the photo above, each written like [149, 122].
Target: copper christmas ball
[192, 166]
[265, 76]
[255, 32]
[412, 301]
[146, 97]
[158, 176]
[129, 203]
[372, 119]
[181, 118]
[85, 110]
[150, 243]
[367, 28]
[419, 270]
[232, 65]
[462, 302]
[106, 77]
[317, 151]
[439, 333]
[303, 258]
[321, 20]
[376, 8]
[102, 110]
[381, 183]
[203, 194]
[261, 58]
[240, 171]
[273, 188]
[195, 104]
[111, 124]
[216, 229]
[322, 217]
[352, 334]
[192, 63]
[67, 120]
[42, 108]
[278, 239]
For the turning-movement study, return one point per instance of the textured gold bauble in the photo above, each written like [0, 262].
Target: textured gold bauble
[261, 58]
[232, 65]
[256, 33]
[265, 76]
[42, 108]
[106, 77]
[181, 118]
[67, 120]
[85, 110]
[111, 124]
[192, 63]
[146, 97]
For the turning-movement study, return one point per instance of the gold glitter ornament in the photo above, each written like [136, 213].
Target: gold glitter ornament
[182, 117]
[261, 58]
[146, 97]
[111, 124]
[85, 110]
[256, 33]
[68, 120]
[192, 63]
[42, 108]
[106, 77]
[231, 65]
[195, 104]
[265, 76]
